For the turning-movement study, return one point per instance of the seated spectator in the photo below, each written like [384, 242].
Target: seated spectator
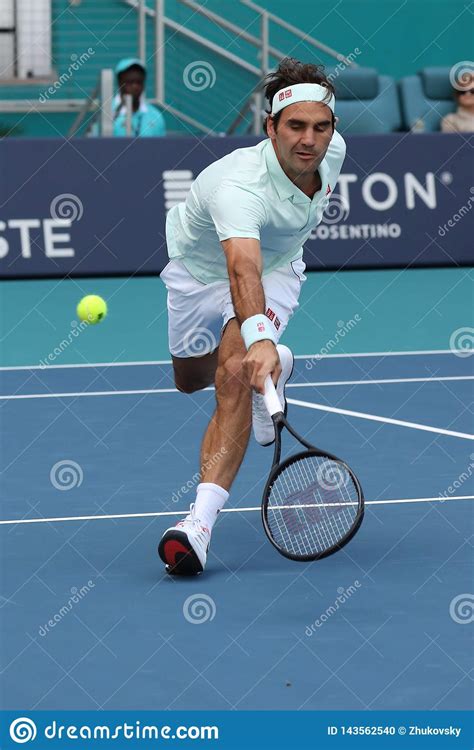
[147, 120]
[461, 121]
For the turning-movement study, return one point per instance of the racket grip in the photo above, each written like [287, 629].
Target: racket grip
[272, 402]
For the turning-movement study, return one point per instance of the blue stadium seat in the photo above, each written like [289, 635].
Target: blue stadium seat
[426, 98]
[366, 101]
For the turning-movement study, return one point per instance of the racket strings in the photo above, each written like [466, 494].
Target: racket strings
[312, 505]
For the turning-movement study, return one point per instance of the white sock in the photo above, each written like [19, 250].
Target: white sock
[210, 499]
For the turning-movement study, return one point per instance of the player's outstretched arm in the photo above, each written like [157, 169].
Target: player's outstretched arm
[244, 265]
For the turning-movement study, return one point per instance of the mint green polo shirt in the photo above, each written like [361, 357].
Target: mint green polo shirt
[247, 194]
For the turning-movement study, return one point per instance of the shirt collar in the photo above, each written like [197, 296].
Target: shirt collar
[285, 187]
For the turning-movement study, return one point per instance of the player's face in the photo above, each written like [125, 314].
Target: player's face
[302, 137]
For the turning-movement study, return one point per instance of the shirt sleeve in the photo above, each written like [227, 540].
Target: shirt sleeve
[236, 212]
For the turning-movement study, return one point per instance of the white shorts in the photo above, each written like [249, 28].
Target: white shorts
[197, 313]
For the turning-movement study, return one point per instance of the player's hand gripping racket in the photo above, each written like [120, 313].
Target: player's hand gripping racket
[313, 502]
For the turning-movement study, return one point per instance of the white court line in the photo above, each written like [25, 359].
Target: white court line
[376, 418]
[380, 381]
[163, 513]
[321, 383]
[144, 363]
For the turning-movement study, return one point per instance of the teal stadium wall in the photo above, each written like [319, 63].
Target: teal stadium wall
[394, 37]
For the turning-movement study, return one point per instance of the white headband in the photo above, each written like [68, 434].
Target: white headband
[301, 92]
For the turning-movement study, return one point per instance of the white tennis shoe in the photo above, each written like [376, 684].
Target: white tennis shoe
[261, 420]
[184, 547]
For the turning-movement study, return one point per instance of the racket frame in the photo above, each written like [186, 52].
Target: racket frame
[280, 421]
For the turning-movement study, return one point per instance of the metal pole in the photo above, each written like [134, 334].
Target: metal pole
[141, 30]
[128, 114]
[264, 61]
[106, 102]
[257, 112]
[258, 104]
[160, 51]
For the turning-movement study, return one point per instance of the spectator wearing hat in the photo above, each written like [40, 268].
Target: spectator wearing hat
[147, 120]
[461, 121]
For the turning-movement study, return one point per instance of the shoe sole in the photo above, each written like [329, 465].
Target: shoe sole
[178, 555]
[285, 412]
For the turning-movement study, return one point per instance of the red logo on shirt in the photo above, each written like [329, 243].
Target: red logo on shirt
[261, 327]
[328, 190]
[288, 93]
[270, 314]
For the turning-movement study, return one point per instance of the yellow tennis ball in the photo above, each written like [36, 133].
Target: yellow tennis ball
[92, 309]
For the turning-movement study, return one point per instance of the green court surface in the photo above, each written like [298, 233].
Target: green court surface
[402, 310]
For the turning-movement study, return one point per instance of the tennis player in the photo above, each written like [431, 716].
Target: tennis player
[234, 278]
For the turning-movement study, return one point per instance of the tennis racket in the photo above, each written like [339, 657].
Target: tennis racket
[313, 502]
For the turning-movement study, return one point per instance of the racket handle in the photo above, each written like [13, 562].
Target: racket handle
[272, 402]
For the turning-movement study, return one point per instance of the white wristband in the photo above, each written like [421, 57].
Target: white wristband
[256, 328]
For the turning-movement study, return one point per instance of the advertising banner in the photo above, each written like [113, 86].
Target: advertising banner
[88, 206]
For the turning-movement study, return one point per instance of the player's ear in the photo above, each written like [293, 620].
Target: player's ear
[270, 127]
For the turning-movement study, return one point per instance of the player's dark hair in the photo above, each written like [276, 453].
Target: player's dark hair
[289, 72]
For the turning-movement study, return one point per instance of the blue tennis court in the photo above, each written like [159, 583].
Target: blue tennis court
[98, 455]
